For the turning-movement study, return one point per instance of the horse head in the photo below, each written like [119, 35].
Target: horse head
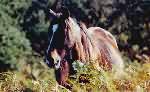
[62, 38]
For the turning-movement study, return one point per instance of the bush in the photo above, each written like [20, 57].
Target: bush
[14, 47]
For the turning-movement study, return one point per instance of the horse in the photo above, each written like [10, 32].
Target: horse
[71, 41]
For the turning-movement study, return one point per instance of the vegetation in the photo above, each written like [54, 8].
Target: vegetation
[24, 36]
[136, 79]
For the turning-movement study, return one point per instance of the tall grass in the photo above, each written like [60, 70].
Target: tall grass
[136, 78]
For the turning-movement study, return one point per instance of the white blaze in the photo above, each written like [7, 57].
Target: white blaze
[54, 28]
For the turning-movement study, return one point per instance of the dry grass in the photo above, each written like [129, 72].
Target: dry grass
[135, 79]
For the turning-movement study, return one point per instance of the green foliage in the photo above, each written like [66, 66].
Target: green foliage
[14, 45]
[89, 78]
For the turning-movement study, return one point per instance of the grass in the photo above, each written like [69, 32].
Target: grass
[136, 78]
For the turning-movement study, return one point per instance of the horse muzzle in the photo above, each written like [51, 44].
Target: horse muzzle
[56, 59]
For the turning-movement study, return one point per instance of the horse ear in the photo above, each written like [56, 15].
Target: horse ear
[54, 14]
[65, 12]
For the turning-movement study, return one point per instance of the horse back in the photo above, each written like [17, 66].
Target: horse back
[103, 35]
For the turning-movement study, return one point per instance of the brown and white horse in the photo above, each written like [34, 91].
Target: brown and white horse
[72, 42]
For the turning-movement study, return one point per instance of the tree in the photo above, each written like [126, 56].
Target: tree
[14, 47]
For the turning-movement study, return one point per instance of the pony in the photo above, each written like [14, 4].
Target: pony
[70, 41]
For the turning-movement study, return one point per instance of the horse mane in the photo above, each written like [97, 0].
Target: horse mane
[78, 28]
[73, 26]
[81, 38]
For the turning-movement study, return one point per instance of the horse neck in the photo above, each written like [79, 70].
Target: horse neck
[85, 43]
